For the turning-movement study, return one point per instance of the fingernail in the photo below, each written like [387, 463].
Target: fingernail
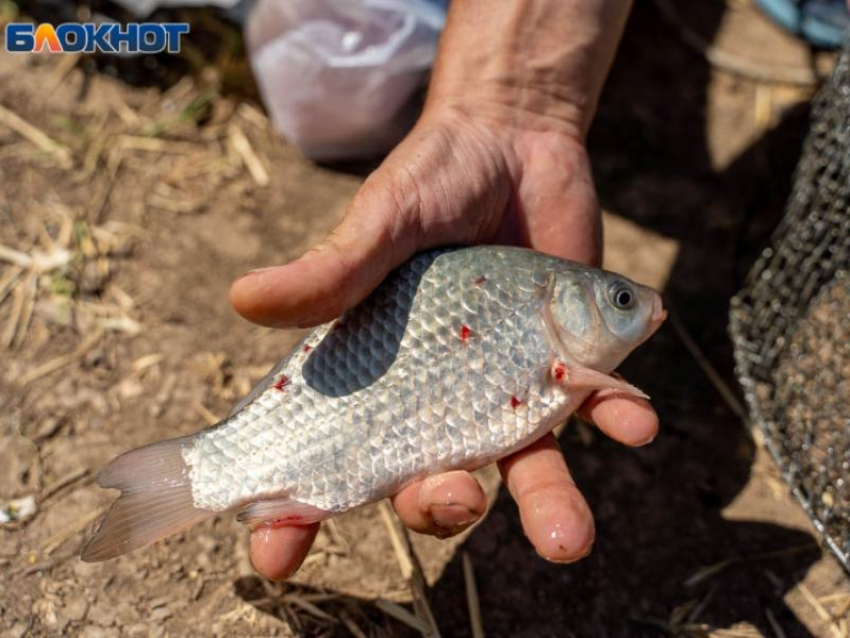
[446, 503]
[646, 442]
[450, 488]
[452, 517]
[257, 271]
[574, 559]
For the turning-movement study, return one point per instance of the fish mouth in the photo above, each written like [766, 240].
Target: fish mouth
[656, 317]
[659, 314]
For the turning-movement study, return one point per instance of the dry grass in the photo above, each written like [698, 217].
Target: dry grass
[59, 278]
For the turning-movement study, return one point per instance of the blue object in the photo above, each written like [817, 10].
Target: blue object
[822, 23]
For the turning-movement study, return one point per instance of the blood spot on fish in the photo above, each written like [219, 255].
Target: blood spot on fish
[560, 371]
[515, 403]
[480, 281]
[284, 521]
[308, 348]
[281, 383]
[465, 332]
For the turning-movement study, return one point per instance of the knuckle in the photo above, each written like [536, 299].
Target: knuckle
[555, 488]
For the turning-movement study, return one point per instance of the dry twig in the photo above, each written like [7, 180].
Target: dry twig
[472, 600]
[77, 526]
[62, 360]
[64, 482]
[309, 607]
[401, 614]
[708, 369]
[8, 282]
[206, 415]
[30, 290]
[410, 569]
[14, 318]
[822, 613]
[243, 148]
[774, 624]
[38, 261]
[405, 564]
[352, 626]
[37, 137]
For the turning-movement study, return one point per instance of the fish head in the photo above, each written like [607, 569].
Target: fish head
[600, 317]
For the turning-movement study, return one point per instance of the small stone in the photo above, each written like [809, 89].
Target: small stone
[160, 614]
[102, 613]
[125, 612]
[138, 629]
[86, 571]
[74, 609]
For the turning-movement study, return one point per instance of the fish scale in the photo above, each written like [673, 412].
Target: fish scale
[446, 365]
[317, 421]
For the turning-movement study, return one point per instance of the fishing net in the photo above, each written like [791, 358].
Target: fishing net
[791, 323]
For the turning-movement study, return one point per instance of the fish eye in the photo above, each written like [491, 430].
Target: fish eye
[622, 296]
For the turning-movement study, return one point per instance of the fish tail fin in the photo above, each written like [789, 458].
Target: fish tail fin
[155, 502]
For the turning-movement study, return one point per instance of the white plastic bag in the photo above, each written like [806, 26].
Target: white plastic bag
[146, 7]
[336, 75]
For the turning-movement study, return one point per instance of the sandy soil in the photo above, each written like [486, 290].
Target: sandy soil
[132, 340]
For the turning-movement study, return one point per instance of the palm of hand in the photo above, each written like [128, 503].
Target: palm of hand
[455, 180]
[470, 182]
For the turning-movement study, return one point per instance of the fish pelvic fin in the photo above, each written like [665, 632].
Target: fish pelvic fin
[155, 501]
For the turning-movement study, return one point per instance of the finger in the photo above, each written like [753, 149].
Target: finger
[627, 419]
[372, 239]
[277, 552]
[554, 514]
[442, 505]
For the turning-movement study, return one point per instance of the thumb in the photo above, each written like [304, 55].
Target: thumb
[337, 273]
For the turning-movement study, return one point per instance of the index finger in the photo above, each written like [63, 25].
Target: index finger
[628, 419]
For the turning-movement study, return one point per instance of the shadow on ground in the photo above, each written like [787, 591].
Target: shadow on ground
[658, 510]
[214, 41]
[295, 600]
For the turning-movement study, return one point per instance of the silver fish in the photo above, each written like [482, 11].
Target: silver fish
[460, 357]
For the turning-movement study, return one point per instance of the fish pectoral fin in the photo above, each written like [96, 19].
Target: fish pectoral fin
[571, 377]
[281, 511]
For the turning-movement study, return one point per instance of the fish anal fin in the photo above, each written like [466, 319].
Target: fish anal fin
[281, 511]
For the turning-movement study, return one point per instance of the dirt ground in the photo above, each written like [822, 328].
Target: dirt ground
[115, 331]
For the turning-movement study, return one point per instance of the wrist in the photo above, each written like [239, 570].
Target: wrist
[510, 107]
[534, 64]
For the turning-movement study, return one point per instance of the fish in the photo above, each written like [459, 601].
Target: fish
[460, 357]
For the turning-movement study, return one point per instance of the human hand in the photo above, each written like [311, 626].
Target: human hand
[466, 174]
